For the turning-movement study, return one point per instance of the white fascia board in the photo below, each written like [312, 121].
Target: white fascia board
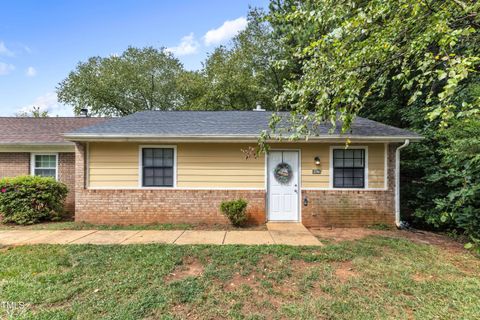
[234, 138]
[37, 147]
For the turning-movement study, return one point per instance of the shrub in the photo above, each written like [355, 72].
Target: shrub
[236, 211]
[28, 199]
[456, 203]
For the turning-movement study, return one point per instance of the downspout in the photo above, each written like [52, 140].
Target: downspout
[397, 182]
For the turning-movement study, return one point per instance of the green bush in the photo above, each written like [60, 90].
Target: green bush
[456, 203]
[28, 199]
[236, 211]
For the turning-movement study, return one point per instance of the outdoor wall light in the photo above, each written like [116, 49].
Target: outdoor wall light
[317, 160]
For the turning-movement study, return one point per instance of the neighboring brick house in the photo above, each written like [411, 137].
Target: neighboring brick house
[177, 166]
[36, 146]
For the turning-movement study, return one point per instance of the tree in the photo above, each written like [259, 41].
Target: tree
[237, 76]
[35, 112]
[138, 79]
[349, 51]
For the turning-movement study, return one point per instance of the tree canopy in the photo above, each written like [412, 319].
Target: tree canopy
[349, 51]
[138, 79]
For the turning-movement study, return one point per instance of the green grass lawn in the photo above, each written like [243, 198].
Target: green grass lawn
[376, 277]
[71, 225]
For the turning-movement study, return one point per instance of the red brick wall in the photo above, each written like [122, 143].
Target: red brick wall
[336, 208]
[14, 164]
[66, 174]
[352, 208]
[163, 206]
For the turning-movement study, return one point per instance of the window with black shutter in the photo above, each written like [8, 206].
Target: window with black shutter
[349, 168]
[157, 166]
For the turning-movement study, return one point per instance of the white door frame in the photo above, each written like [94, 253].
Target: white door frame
[299, 193]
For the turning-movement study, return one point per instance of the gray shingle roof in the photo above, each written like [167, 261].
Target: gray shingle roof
[218, 124]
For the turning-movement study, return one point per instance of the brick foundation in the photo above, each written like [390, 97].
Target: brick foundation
[163, 206]
[352, 208]
[326, 208]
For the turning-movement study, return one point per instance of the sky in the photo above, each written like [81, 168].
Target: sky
[42, 41]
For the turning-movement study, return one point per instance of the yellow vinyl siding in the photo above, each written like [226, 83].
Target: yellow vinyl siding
[218, 165]
[203, 165]
[113, 164]
[309, 152]
[376, 163]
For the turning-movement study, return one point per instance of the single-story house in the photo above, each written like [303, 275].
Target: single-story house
[178, 166]
[36, 146]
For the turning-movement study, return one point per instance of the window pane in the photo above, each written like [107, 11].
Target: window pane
[358, 182]
[158, 181]
[347, 182]
[348, 162]
[45, 161]
[168, 172]
[157, 162]
[148, 172]
[158, 166]
[347, 172]
[158, 153]
[45, 172]
[358, 163]
[338, 153]
[349, 154]
[168, 181]
[147, 153]
[358, 173]
[168, 162]
[148, 182]
[338, 162]
[147, 157]
[338, 173]
[338, 182]
[349, 168]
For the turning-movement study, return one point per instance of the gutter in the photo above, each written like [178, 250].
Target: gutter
[227, 138]
[398, 223]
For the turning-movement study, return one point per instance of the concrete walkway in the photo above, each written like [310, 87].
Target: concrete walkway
[278, 233]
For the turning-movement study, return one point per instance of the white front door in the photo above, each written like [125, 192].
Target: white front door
[283, 185]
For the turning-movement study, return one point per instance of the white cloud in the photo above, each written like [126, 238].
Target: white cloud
[4, 50]
[188, 45]
[6, 68]
[31, 72]
[49, 102]
[226, 31]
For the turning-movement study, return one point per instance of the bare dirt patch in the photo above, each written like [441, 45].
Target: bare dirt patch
[189, 268]
[417, 236]
[417, 277]
[345, 271]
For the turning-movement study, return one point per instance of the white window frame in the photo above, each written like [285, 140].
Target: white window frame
[331, 185]
[140, 165]
[32, 162]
